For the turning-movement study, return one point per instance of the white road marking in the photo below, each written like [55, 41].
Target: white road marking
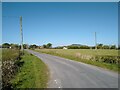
[58, 83]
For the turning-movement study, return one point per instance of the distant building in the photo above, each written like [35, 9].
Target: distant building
[65, 48]
[40, 47]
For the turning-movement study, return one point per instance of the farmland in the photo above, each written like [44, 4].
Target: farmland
[103, 58]
[82, 51]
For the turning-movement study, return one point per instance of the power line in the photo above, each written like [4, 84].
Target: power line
[10, 16]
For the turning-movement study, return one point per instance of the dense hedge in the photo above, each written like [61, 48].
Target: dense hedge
[107, 59]
[102, 58]
[78, 47]
[10, 65]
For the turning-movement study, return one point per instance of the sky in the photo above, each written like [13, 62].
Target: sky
[60, 23]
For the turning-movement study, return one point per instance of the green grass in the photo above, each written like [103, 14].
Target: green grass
[0, 57]
[82, 51]
[33, 73]
[0, 66]
[73, 54]
[9, 54]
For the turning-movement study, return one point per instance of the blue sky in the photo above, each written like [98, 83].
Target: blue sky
[61, 23]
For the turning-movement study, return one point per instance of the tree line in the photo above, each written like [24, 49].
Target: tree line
[13, 46]
[49, 45]
[25, 46]
[99, 46]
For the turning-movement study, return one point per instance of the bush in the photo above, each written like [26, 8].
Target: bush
[10, 65]
[78, 47]
[107, 59]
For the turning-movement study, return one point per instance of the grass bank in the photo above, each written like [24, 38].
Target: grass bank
[84, 55]
[10, 65]
[33, 73]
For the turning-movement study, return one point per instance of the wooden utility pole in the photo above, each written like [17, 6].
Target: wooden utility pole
[95, 41]
[21, 34]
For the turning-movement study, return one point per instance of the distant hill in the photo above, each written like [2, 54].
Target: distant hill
[76, 45]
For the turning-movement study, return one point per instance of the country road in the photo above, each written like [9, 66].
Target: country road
[66, 73]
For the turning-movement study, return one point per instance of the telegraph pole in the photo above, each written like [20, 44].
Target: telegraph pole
[95, 41]
[21, 34]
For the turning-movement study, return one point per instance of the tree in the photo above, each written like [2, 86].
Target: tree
[44, 46]
[118, 46]
[78, 47]
[105, 47]
[100, 46]
[59, 47]
[33, 46]
[25, 46]
[84, 47]
[72, 47]
[5, 45]
[14, 46]
[113, 47]
[49, 45]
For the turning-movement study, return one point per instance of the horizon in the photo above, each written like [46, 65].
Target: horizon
[64, 45]
[62, 23]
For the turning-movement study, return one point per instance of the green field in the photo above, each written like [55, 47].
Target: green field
[82, 51]
[103, 58]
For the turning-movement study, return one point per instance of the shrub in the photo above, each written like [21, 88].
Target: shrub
[10, 65]
[107, 59]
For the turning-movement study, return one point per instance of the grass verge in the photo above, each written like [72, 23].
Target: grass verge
[10, 66]
[113, 67]
[33, 73]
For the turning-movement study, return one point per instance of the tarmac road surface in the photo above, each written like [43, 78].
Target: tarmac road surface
[66, 73]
